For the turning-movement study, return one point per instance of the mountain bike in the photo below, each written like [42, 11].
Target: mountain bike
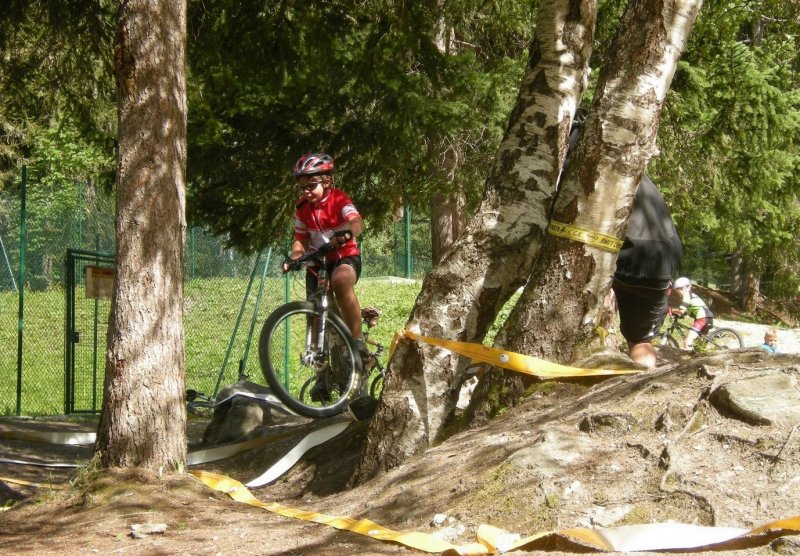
[308, 355]
[371, 365]
[709, 340]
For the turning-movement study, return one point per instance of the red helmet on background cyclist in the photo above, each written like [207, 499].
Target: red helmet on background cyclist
[313, 163]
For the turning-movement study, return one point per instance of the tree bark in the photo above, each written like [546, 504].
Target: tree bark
[143, 419]
[448, 221]
[461, 297]
[557, 315]
[745, 280]
[448, 210]
[448, 205]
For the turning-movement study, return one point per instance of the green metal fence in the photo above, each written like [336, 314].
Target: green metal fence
[221, 309]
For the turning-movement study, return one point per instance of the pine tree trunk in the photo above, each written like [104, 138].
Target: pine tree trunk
[448, 206]
[746, 280]
[144, 417]
[557, 315]
[448, 221]
[461, 297]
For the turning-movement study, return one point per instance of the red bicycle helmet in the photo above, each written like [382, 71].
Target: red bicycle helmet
[313, 163]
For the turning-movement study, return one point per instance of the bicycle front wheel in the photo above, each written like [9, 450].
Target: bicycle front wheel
[724, 338]
[314, 381]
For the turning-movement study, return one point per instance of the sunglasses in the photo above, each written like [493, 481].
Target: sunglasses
[308, 184]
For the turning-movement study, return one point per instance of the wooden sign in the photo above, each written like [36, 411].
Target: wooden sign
[99, 282]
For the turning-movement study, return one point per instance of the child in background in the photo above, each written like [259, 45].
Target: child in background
[693, 306]
[770, 344]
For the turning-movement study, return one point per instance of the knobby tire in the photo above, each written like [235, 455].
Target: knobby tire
[281, 347]
[668, 339]
[725, 338]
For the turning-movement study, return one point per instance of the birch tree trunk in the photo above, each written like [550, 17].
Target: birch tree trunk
[143, 419]
[461, 297]
[560, 308]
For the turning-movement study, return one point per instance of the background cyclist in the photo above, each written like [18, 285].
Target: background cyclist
[693, 306]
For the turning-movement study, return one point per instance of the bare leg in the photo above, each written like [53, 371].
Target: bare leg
[342, 282]
[644, 354]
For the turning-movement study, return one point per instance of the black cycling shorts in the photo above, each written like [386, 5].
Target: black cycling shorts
[311, 278]
[642, 308]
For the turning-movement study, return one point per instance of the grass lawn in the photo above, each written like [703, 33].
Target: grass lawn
[212, 309]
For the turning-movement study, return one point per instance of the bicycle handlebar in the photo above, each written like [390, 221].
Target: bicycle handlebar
[297, 264]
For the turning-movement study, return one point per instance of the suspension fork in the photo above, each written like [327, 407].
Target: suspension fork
[321, 325]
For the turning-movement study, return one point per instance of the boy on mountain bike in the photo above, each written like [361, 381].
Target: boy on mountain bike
[693, 306]
[326, 214]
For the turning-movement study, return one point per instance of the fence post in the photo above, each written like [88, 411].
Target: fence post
[20, 325]
[80, 213]
[191, 248]
[409, 262]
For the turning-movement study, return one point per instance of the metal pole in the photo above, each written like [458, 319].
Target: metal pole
[236, 326]
[20, 321]
[286, 294]
[95, 334]
[255, 309]
[80, 214]
[409, 261]
[8, 265]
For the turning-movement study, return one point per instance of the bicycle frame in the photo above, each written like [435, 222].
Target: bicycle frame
[682, 331]
[315, 353]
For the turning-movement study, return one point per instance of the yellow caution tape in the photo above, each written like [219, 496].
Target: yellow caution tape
[420, 541]
[52, 486]
[645, 537]
[610, 244]
[513, 361]
[628, 538]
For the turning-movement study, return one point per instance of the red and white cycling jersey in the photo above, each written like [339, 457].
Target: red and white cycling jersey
[317, 222]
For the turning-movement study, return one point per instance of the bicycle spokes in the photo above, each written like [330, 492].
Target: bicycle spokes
[315, 379]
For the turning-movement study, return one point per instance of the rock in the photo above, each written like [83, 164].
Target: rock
[141, 530]
[767, 399]
[602, 517]
[552, 450]
[607, 422]
[239, 415]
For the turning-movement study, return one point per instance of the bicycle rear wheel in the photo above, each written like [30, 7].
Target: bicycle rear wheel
[376, 382]
[667, 339]
[310, 381]
[724, 338]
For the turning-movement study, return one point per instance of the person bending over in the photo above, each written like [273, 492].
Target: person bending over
[650, 256]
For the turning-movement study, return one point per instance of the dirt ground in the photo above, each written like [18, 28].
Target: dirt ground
[647, 448]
